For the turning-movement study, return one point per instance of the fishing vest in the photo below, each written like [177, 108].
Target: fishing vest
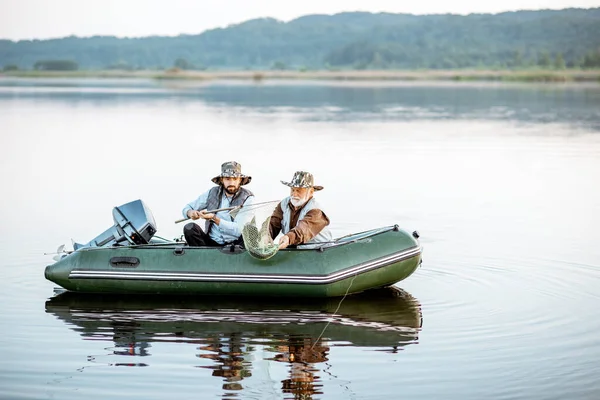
[214, 201]
[323, 236]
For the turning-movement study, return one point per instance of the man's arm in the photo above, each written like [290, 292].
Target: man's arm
[196, 205]
[308, 227]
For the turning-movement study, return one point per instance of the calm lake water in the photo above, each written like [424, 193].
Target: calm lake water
[501, 180]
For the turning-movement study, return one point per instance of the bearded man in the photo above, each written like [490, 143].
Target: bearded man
[219, 229]
[299, 217]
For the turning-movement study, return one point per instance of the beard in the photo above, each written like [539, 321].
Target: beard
[231, 189]
[298, 201]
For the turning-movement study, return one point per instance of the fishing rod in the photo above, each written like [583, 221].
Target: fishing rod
[233, 211]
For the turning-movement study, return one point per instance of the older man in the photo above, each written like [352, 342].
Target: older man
[220, 228]
[299, 217]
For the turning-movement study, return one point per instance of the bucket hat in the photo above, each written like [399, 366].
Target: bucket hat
[231, 169]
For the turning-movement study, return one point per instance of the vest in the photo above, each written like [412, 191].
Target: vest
[323, 236]
[214, 201]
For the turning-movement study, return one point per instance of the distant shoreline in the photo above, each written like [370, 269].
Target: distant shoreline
[568, 75]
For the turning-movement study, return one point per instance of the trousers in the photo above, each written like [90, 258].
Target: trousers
[195, 236]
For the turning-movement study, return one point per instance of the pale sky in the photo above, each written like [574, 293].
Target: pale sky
[42, 19]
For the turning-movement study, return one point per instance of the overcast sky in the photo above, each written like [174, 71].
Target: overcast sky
[41, 19]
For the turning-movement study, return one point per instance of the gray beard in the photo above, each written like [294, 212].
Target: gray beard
[298, 203]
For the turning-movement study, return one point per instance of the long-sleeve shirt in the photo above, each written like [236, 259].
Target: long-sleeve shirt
[303, 230]
[228, 230]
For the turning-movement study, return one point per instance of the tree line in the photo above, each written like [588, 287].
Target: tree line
[568, 38]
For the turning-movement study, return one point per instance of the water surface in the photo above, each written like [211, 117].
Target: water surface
[501, 181]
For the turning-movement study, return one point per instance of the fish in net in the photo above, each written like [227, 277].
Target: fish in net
[257, 241]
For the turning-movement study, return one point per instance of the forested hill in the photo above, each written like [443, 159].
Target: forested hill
[355, 40]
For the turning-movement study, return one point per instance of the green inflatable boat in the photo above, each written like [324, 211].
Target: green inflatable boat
[128, 259]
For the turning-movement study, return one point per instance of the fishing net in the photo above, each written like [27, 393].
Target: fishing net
[255, 231]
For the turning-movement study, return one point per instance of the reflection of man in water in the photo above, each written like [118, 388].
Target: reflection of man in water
[229, 356]
[125, 336]
[126, 342]
[301, 353]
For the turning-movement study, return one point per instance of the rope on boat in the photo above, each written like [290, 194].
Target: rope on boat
[334, 313]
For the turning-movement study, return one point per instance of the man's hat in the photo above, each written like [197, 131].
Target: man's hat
[231, 169]
[302, 179]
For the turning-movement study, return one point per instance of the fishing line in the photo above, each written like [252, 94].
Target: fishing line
[335, 312]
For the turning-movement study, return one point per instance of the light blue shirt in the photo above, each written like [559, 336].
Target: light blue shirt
[228, 230]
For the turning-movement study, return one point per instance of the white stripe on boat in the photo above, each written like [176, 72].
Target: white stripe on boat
[258, 278]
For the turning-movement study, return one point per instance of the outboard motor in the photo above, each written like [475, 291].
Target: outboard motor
[134, 224]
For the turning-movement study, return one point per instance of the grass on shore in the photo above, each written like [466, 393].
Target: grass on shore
[567, 75]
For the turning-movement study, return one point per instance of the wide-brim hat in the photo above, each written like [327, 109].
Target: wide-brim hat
[231, 169]
[303, 179]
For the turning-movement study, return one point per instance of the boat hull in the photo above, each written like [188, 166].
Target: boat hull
[351, 265]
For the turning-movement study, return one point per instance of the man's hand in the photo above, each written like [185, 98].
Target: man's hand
[193, 214]
[205, 215]
[284, 242]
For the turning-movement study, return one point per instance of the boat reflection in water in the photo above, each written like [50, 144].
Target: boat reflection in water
[229, 331]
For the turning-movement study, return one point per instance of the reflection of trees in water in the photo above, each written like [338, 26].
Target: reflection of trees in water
[230, 354]
[301, 352]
